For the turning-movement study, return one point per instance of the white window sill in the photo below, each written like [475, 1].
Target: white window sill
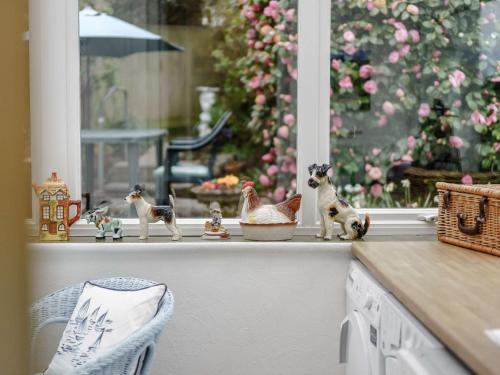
[384, 222]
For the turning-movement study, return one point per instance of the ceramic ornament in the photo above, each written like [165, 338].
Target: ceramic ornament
[54, 203]
[267, 222]
[213, 227]
[149, 213]
[333, 208]
[104, 224]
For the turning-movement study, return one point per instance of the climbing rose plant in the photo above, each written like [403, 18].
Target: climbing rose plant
[412, 83]
[263, 76]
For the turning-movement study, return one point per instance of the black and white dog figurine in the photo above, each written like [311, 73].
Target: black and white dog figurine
[151, 214]
[333, 208]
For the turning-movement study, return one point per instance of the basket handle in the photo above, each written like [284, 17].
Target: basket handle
[479, 220]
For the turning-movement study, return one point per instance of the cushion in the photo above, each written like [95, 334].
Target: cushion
[194, 170]
[102, 319]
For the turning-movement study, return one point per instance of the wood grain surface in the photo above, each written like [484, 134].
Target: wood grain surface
[454, 292]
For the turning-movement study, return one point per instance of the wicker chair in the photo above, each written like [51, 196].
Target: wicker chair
[138, 348]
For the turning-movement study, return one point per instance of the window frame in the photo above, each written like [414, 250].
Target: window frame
[55, 116]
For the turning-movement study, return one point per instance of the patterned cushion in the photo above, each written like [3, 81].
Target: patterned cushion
[102, 319]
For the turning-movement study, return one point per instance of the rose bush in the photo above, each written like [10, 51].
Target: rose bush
[419, 79]
[260, 86]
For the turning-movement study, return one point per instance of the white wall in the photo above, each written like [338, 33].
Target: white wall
[241, 308]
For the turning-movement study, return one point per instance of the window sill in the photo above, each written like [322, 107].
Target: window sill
[384, 222]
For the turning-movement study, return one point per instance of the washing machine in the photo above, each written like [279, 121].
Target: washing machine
[408, 348]
[360, 330]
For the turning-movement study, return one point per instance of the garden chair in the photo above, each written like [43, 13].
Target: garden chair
[137, 350]
[173, 171]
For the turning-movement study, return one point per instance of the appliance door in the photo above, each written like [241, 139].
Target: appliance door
[428, 361]
[354, 341]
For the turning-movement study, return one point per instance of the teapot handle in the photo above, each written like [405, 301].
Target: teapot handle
[78, 205]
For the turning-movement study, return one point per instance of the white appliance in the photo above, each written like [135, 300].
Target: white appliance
[408, 348]
[359, 335]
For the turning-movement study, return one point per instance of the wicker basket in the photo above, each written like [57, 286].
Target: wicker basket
[469, 216]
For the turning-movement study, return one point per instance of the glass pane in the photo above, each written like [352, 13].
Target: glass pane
[414, 98]
[202, 99]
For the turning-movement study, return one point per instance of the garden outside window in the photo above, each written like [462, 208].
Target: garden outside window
[306, 82]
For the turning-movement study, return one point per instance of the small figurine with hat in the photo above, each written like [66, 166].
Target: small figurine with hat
[149, 213]
[213, 228]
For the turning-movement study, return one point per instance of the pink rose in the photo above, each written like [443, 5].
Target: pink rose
[405, 50]
[411, 142]
[346, 82]
[388, 108]
[467, 179]
[382, 121]
[272, 170]
[394, 57]
[375, 173]
[260, 99]
[413, 9]
[336, 64]
[398, 25]
[287, 98]
[366, 71]
[407, 158]
[268, 158]
[274, 4]
[289, 119]
[290, 15]
[457, 103]
[456, 141]
[254, 82]
[401, 35]
[368, 167]
[336, 122]
[283, 132]
[279, 194]
[376, 151]
[477, 118]
[456, 78]
[265, 134]
[349, 36]
[371, 87]
[497, 147]
[376, 190]
[424, 110]
[264, 180]
[415, 36]
[259, 45]
[400, 93]
[491, 119]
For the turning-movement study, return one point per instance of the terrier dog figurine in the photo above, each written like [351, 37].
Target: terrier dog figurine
[333, 208]
[103, 223]
[151, 214]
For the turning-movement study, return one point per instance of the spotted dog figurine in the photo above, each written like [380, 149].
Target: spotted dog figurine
[104, 223]
[151, 214]
[333, 208]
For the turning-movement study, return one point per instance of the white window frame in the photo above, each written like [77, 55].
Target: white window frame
[60, 212]
[55, 115]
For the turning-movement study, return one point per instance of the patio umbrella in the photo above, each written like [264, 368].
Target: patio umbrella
[102, 35]
[107, 36]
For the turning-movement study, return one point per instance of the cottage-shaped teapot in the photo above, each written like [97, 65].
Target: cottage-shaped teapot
[54, 202]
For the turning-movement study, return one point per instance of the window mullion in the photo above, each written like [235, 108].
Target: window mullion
[312, 97]
[55, 92]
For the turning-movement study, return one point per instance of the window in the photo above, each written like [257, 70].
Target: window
[328, 126]
[46, 212]
[45, 227]
[59, 196]
[216, 57]
[45, 196]
[61, 228]
[60, 212]
[413, 98]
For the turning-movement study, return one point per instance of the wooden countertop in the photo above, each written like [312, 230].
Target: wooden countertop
[454, 292]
